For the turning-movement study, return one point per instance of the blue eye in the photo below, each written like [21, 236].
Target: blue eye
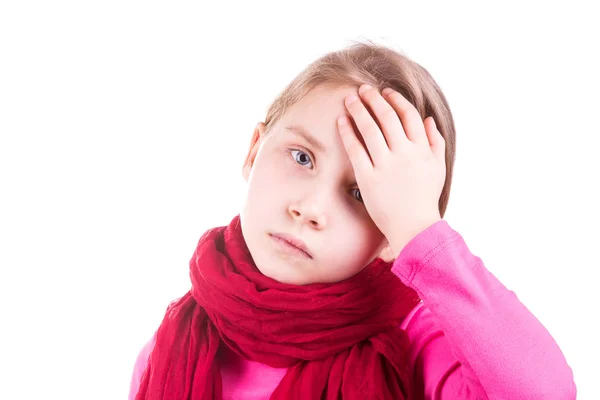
[300, 157]
[358, 195]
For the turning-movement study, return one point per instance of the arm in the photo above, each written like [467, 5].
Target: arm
[472, 337]
[139, 367]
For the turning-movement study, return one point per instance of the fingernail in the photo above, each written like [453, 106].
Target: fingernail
[363, 88]
[351, 99]
[386, 91]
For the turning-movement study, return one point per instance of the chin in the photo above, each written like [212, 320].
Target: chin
[281, 278]
[290, 281]
[287, 279]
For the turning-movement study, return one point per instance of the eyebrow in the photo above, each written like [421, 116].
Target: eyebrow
[303, 133]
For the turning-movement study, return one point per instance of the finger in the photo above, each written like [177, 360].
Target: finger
[374, 140]
[409, 116]
[356, 152]
[388, 119]
[436, 140]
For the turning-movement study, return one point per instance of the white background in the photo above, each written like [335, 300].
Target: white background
[124, 126]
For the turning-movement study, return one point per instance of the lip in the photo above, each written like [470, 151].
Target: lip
[292, 242]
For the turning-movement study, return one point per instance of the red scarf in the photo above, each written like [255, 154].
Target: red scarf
[338, 340]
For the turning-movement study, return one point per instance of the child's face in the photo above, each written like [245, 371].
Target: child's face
[295, 188]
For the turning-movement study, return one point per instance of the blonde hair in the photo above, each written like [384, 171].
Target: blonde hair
[380, 67]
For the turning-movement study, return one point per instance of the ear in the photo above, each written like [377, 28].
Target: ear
[257, 136]
[386, 253]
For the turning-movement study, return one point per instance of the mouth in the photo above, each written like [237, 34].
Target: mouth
[291, 243]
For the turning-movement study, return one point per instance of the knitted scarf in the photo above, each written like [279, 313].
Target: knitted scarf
[338, 340]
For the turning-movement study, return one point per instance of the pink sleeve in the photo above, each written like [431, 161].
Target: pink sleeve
[139, 367]
[471, 337]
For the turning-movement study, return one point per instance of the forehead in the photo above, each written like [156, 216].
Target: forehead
[317, 114]
[318, 111]
[324, 101]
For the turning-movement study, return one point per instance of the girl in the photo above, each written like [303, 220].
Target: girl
[321, 290]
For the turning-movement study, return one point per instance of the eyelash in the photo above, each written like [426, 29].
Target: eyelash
[290, 151]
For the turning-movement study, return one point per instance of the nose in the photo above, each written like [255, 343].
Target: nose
[308, 213]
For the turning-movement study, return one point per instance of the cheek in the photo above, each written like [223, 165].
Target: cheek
[364, 236]
[354, 241]
[276, 172]
[273, 172]
[268, 179]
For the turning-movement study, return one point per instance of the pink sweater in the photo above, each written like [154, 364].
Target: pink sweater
[471, 337]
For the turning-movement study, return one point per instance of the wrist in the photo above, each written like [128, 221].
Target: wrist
[400, 239]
